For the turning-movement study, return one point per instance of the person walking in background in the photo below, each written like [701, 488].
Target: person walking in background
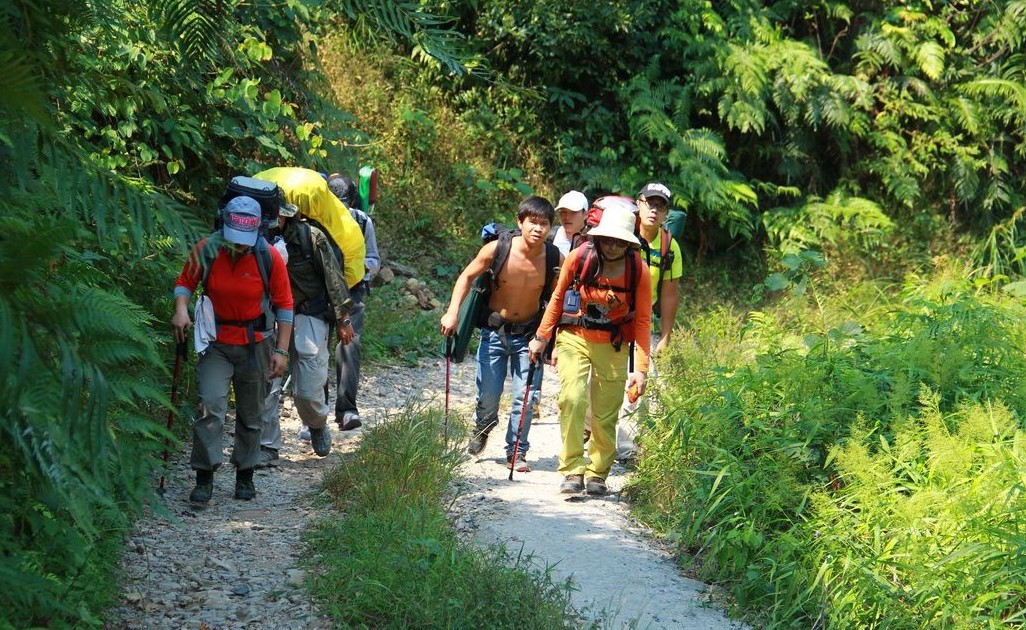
[348, 356]
[320, 288]
[666, 266]
[601, 302]
[240, 354]
[572, 209]
[514, 311]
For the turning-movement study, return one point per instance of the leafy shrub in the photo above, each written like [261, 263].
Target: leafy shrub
[927, 527]
[751, 430]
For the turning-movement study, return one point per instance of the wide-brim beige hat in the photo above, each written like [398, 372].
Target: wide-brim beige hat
[618, 221]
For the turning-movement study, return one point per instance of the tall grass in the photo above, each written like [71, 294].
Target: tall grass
[757, 466]
[391, 558]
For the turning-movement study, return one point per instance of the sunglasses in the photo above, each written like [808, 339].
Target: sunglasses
[613, 242]
[657, 205]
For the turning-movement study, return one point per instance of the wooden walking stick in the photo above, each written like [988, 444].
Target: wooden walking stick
[180, 352]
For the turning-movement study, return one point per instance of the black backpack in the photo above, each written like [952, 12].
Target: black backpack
[489, 280]
[269, 195]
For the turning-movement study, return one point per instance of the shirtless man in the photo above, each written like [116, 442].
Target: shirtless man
[515, 310]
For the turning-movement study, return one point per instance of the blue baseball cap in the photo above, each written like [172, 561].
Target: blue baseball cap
[241, 221]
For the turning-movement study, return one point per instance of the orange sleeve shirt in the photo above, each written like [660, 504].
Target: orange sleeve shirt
[607, 302]
[237, 290]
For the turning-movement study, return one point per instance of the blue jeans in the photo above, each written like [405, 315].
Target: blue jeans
[497, 353]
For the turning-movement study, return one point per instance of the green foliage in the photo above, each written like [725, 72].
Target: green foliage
[744, 105]
[759, 412]
[395, 329]
[926, 529]
[836, 221]
[392, 560]
[441, 182]
[111, 112]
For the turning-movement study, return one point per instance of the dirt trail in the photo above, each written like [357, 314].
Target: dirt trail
[624, 578]
[235, 564]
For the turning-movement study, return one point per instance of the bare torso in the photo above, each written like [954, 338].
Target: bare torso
[520, 283]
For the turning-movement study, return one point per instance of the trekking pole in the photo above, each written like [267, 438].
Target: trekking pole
[523, 412]
[180, 352]
[448, 370]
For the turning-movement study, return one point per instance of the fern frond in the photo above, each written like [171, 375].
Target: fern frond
[196, 27]
[430, 35]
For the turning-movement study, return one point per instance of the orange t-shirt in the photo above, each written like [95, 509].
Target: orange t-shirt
[603, 303]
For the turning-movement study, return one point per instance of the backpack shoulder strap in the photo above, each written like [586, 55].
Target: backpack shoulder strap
[633, 274]
[305, 238]
[587, 266]
[207, 255]
[503, 245]
[361, 219]
[265, 264]
[551, 268]
[665, 262]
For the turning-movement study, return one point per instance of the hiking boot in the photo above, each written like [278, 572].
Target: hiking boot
[572, 484]
[596, 486]
[320, 439]
[244, 488]
[204, 487]
[477, 442]
[304, 432]
[268, 457]
[350, 420]
[521, 465]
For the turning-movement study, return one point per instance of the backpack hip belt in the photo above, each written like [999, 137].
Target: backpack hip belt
[251, 327]
[615, 328]
[316, 307]
[495, 321]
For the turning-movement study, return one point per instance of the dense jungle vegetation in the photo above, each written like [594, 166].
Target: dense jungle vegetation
[839, 439]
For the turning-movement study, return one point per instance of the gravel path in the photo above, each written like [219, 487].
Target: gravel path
[234, 564]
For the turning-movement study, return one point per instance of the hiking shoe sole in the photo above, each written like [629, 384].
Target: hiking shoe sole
[477, 443]
[245, 490]
[572, 484]
[320, 439]
[596, 486]
[201, 493]
[522, 465]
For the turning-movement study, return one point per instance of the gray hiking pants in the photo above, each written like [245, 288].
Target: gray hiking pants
[347, 366]
[270, 421]
[222, 366]
[310, 369]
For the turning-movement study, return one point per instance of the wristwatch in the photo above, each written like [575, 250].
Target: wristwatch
[541, 339]
[346, 322]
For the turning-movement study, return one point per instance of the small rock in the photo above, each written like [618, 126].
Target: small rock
[295, 577]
